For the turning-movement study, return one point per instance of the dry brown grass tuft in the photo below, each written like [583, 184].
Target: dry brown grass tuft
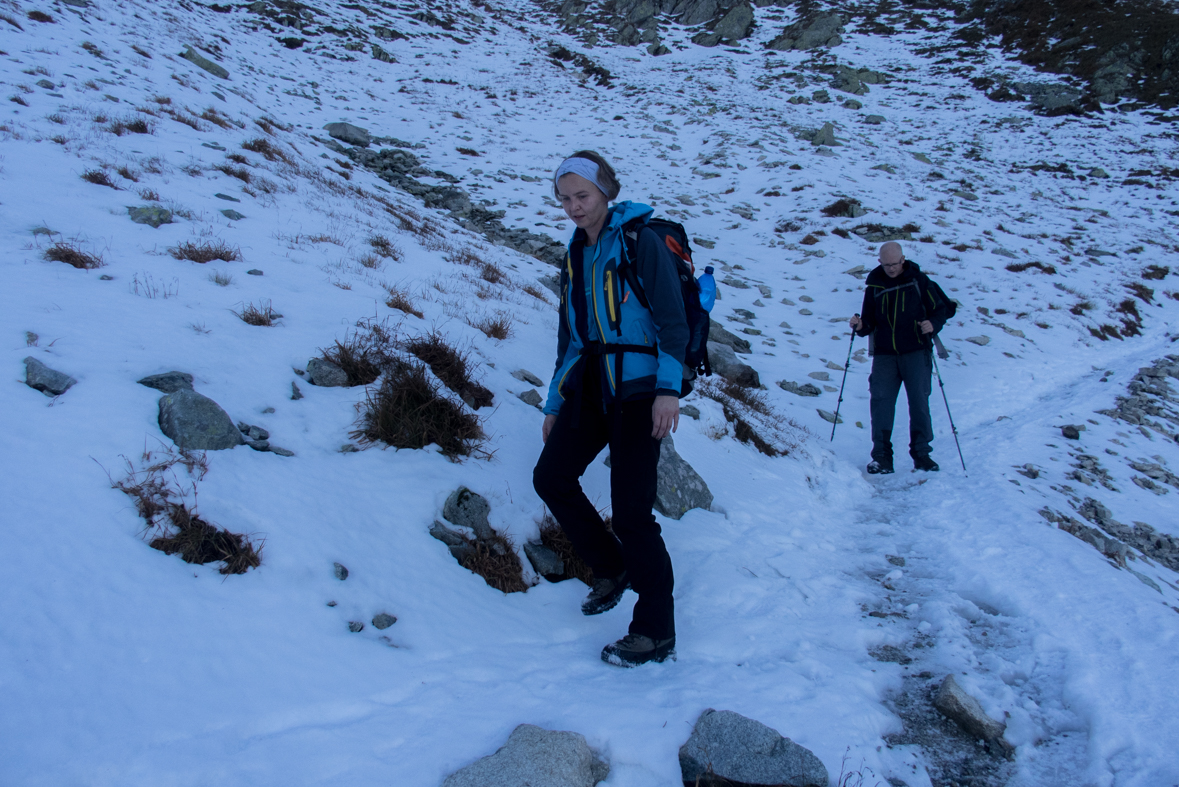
[241, 173]
[408, 411]
[495, 560]
[497, 327]
[172, 525]
[216, 118]
[99, 178]
[264, 147]
[450, 366]
[385, 247]
[754, 420]
[365, 352]
[206, 251]
[70, 254]
[131, 125]
[262, 315]
[400, 299]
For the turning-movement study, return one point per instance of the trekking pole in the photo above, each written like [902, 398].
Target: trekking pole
[953, 428]
[845, 366]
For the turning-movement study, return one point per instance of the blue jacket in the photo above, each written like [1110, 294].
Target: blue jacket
[618, 316]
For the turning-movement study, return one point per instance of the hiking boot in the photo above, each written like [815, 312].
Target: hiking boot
[876, 467]
[925, 463]
[635, 649]
[605, 595]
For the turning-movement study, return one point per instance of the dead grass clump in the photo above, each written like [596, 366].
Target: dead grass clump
[841, 208]
[495, 560]
[262, 146]
[408, 411]
[18, 100]
[70, 254]
[99, 178]
[385, 247]
[492, 274]
[553, 537]
[1156, 272]
[399, 298]
[754, 420]
[262, 315]
[40, 16]
[12, 21]
[216, 118]
[1020, 267]
[206, 251]
[1140, 290]
[450, 366]
[497, 327]
[173, 526]
[365, 352]
[127, 173]
[130, 125]
[534, 291]
[149, 195]
[269, 124]
[1079, 309]
[241, 173]
[370, 261]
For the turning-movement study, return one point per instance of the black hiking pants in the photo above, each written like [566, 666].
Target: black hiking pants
[636, 545]
[889, 372]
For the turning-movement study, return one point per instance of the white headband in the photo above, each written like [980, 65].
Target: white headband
[579, 166]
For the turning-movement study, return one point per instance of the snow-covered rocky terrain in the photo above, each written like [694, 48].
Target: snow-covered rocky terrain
[824, 605]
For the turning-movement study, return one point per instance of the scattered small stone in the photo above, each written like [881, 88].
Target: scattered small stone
[690, 410]
[226, 197]
[525, 376]
[806, 389]
[213, 146]
[531, 397]
[274, 449]
[192, 56]
[48, 381]
[355, 626]
[326, 374]
[168, 382]
[151, 215]
[268, 410]
[467, 509]
[895, 560]
[964, 710]
[232, 214]
[829, 417]
[1070, 432]
[874, 120]
[253, 272]
[981, 341]
[339, 571]
[726, 748]
[349, 448]
[536, 757]
[383, 620]
[544, 561]
[296, 394]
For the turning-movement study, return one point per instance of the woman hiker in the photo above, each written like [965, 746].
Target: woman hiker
[617, 382]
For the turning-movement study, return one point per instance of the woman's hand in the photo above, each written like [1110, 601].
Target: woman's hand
[547, 427]
[665, 416]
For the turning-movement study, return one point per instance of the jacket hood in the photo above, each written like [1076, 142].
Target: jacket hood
[619, 215]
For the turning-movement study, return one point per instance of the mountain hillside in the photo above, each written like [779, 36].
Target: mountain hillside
[174, 198]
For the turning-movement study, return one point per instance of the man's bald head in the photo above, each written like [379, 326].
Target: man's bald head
[891, 253]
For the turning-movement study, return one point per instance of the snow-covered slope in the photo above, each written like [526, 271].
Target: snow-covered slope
[810, 599]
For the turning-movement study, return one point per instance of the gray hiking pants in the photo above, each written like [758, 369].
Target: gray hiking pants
[915, 370]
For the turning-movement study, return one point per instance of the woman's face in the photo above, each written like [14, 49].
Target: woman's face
[583, 202]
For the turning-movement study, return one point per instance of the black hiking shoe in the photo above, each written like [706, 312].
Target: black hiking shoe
[876, 467]
[635, 649]
[925, 463]
[605, 595]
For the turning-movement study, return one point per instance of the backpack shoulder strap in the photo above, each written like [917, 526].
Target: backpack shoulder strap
[630, 242]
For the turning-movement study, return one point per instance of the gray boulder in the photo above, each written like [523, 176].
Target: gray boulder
[727, 748]
[384, 620]
[1051, 97]
[806, 389]
[810, 32]
[346, 132]
[825, 136]
[151, 215]
[458, 544]
[724, 362]
[535, 757]
[168, 382]
[544, 561]
[964, 710]
[191, 56]
[678, 488]
[197, 423]
[525, 376]
[531, 397]
[48, 381]
[325, 374]
[468, 509]
[718, 334]
[736, 24]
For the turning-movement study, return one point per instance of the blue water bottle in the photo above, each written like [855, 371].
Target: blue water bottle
[707, 289]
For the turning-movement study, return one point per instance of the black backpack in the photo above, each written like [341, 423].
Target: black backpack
[676, 240]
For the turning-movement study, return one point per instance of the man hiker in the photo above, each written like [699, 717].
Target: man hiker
[902, 312]
[617, 381]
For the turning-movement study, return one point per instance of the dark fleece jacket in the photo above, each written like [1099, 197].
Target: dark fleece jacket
[894, 307]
